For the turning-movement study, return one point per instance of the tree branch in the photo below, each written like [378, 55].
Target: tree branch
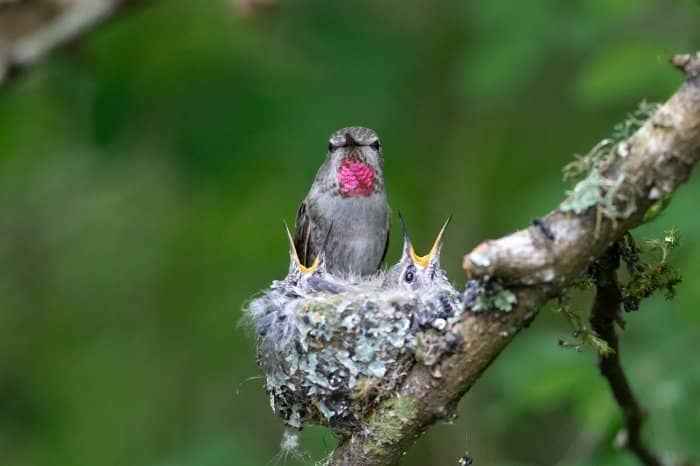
[652, 163]
[30, 29]
[604, 313]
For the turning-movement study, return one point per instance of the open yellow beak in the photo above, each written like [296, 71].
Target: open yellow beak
[293, 252]
[423, 261]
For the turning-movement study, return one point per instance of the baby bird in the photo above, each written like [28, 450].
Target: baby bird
[414, 271]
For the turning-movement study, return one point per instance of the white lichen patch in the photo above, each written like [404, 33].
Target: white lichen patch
[663, 118]
[480, 260]
[607, 194]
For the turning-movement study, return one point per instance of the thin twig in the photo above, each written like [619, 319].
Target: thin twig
[65, 27]
[604, 313]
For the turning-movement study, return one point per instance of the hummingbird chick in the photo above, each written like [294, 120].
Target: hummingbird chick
[414, 271]
[347, 193]
[312, 278]
[423, 274]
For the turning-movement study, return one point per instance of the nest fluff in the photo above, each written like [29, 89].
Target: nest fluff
[331, 347]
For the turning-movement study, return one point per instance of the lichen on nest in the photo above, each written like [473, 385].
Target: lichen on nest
[332, 347]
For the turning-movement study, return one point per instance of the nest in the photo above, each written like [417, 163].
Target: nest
[332, 347]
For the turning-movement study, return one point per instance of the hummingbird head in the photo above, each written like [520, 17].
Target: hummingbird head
[315, 277]
[355, 157]
[298, 272]
[414, 271]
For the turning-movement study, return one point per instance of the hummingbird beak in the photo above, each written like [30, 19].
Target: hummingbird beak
[350, 140]
[295, 257]
[407, 246]
[434, 253]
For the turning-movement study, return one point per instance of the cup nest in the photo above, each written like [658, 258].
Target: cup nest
[332, 347]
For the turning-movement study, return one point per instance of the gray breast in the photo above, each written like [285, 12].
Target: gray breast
[358, 235]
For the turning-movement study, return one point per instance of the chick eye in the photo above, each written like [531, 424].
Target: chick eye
[331, 147]
[409, 277]
[375, 145]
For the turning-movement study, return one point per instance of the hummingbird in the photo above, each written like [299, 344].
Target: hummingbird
[414, 271]
[314, 277]
[424, 275]
[273, 318]
[348, 193]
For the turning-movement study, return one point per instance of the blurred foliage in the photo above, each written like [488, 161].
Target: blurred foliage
[144, 173]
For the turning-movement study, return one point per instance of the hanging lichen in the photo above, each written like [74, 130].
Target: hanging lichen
[583, 335]
[649, 269]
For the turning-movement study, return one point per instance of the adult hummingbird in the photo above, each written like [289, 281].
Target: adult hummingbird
[347, 193]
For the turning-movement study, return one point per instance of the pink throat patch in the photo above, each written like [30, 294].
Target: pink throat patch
[355, 178]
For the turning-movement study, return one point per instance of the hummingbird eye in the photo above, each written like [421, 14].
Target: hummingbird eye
[375, 145]
[410, 275]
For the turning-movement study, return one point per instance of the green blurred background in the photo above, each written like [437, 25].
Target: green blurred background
[144, 175]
